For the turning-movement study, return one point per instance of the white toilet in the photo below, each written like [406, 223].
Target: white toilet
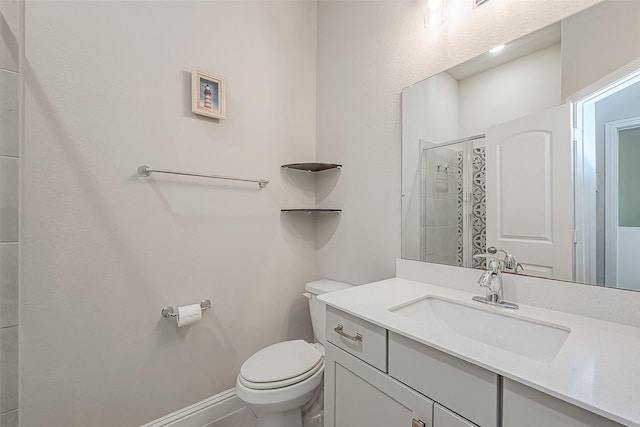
[279, 379]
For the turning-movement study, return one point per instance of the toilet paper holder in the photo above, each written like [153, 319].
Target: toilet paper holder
[169, 311]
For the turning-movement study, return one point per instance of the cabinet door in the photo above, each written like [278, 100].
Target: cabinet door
[467, 389]
[358, 395]
[523, 406]
[442, 417]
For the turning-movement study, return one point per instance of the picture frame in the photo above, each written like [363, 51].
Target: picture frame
[207, 94]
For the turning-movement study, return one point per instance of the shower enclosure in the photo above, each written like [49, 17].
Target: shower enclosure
[453, 208]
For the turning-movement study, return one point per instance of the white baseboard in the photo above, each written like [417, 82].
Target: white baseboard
[202, 413]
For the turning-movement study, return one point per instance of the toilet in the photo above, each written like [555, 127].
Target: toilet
[279, 379]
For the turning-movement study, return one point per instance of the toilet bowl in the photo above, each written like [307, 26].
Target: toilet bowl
[279, 379]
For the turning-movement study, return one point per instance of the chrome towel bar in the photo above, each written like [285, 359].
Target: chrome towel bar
[146, 171]
[169, 311]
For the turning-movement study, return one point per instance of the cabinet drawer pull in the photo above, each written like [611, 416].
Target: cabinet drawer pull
[340, 330]
[417, 423]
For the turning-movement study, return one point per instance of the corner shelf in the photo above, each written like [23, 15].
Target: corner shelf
[312, 167]
[310, 211]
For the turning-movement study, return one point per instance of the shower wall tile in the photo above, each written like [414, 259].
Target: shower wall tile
[10, 33]
[435, 258]
[8, 285]
[429, 184]
[450, 260]
[430, 242]
[453, 187]
[442, 190]
[446, 240]
[451, 241]
[9, 419]
[9, 123]
[10, 23]
[429, 212]
[453, 213]
[441, 212]
[8, 369]
[432, 160]
[8, 199]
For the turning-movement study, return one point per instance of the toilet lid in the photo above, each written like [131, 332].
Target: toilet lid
[281, 361]
[283, 383]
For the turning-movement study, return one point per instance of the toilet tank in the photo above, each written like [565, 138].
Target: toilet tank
[317, 308]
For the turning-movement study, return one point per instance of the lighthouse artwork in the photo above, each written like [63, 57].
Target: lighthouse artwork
[207, 97]
[207, 94]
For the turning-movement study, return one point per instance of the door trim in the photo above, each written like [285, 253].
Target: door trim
[611, 143]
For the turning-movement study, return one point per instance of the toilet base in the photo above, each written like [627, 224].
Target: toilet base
[291, 418]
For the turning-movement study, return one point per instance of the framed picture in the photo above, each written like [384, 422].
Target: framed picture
[207, 95]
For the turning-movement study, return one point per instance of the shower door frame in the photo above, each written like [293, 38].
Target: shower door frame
[467, 188]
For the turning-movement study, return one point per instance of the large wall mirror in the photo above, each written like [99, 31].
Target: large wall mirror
[532, 150]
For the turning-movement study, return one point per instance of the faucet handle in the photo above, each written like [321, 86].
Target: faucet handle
[494, 265]
[511, 263]
[518, 266]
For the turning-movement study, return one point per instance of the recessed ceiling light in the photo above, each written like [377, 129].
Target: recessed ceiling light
[497, 49]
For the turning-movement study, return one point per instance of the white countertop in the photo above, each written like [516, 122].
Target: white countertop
[597, 368]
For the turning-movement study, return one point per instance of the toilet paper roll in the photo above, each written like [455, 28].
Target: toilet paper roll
[189, 314]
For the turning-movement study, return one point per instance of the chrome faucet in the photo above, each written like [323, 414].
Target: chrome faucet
[509, 262]
[491, 280]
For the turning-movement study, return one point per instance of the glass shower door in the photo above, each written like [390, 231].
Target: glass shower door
[453, 220]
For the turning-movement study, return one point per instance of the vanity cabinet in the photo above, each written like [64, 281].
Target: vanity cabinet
[378, 378]
[357, 394]
[526, 407]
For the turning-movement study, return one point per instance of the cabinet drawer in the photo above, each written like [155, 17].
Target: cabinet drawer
[442, 417]
[368, 342]
[469, 390]
[525, 407]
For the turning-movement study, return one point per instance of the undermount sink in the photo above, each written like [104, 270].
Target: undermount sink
[536, 340]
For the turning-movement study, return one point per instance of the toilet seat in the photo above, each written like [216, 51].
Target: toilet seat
[281, 365]
[282, 383]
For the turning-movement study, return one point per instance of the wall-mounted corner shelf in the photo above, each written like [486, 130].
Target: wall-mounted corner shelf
[312, 167]
[310, 211]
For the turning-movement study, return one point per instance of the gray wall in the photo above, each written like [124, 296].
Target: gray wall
[611, 30]
[108, 89]
[11, 28]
